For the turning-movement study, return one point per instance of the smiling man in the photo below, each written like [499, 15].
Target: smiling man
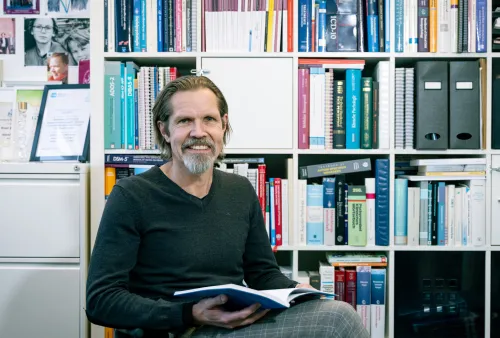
[186, 225]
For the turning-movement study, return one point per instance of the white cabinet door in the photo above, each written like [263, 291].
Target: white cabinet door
[259, 93]
[495, 201]
[39, 300]
[39, 216]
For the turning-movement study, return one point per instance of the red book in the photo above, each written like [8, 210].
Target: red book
[278, 211]
[340, 284]
[350, 287]
[262, 189]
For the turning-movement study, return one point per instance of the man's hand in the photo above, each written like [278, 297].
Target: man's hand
[209, 311]
[304, 285]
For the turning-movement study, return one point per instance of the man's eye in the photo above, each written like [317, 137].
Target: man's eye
[183, 121]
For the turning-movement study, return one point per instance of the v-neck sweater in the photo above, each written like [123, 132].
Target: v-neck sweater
[155, 238]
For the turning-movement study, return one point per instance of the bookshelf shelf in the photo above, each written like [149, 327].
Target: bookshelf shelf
[232, 69]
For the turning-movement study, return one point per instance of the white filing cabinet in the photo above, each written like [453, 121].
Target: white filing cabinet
[495, 200]
[43, 250]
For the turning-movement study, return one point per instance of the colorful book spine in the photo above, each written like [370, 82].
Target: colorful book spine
[314, 213]
[357, 235]
[399, 23]
[366, 112]
[329, 210]
[372, 25]
[378, 299]
[370, 210]
[382, 189]
[441, 210]
[401, 211]
[353, 121]
[112, 105]
[363, 295]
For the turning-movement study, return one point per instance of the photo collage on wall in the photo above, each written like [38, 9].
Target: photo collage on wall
[56, 35]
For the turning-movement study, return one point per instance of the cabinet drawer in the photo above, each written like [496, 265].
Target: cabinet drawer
[39, 216]
[39, 300]
[495, 201]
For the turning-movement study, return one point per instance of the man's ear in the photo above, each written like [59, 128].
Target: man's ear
[163, 130]
[224, 122]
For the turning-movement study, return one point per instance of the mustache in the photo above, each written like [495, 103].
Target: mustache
[198, 142]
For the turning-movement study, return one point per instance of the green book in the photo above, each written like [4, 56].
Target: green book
[356, 196]
[366, 112]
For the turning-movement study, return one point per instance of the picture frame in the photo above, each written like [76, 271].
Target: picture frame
[63, 127]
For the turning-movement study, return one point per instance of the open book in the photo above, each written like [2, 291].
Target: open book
[240, 296]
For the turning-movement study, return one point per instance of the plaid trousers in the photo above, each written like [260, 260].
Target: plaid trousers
[313, 318]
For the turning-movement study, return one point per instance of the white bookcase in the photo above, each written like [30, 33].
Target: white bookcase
[261, 89]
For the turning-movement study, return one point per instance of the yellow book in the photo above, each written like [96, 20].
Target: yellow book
[433, 28]
[109, 180]
[270, 27]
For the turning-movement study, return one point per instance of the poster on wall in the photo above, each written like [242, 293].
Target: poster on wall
[45, 36]
[7, 36]
[67, 7]
[21, 6]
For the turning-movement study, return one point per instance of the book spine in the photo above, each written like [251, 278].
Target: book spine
[353, 123]
[340, 284]
[375, 115]
[377, 304]
[278, 212]
[481, 26]
[339, 123]
[272, 212]
[433, 22]
[372, 25]
[350, 289]
[357, 215]
[382, 189]
[303, 78]
[329, 210]
[423, 25]
[424, 200]
[314, 215]
[399, 23]
[339, 207]
[400, 208]
[381, 27]
[366, 112]
[387, 22]
[363, 297]
[370, 210]
[304, 31]
[361, 26]
[441, 213]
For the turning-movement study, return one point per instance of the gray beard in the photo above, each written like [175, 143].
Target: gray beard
[197, 164]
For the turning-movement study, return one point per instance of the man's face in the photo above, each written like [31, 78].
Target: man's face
[196, 129]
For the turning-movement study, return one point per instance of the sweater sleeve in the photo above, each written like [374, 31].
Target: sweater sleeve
[109, 301]
[260, 267]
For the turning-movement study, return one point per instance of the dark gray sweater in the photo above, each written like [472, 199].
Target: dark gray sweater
[155, 238]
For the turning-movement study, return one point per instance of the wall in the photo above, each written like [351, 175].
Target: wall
[14, 68]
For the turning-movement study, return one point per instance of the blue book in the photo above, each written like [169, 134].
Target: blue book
[401, 211]
[329, 210]
[136, 26]
[387, 24]
[314, 223]
[131, 73]
[441, 213]
[378, 292]
[363, 294]
[322, 26]
[372, 25]
[399, 23]
[272, 222]
[240, 296]
[382, 191]
[352, 108]
[305, 8]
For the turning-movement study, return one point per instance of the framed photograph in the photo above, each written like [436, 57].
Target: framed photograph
[66, 7]
[63, 128]
[7, 36]
[21, 6]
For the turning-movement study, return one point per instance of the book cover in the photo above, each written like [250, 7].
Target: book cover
[357, 215]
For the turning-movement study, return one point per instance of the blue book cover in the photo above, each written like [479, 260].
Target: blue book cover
[314, 223]
[131, 71]
[387, 24]
[353, 117]
[160, 24]
[401, 211]
[322, 26]
[143, 27]
[346, 214]
[240, 296]
[372, 26]
[481, 22]
[305, 8]
[123, 105]
[399, 23]
[441, 213]
[136, 24]
[363, 294]
[378, 299]
[382, 191]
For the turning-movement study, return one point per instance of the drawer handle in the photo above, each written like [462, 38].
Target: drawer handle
[495, 169]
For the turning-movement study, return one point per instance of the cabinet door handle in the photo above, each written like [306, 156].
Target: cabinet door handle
[497, 169]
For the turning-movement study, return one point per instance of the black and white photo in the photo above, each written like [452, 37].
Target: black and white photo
[67, 7]
[44, 36]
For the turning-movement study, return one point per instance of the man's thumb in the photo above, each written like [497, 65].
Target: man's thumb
[219, 300]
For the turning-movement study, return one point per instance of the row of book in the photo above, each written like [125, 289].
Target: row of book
[451, 94]
[344, 26]
[172, 26]
[129, 96]
[444, 26]
[338, 212]
[342, 108]
[357, 279]
[429, 210]
[150, 26]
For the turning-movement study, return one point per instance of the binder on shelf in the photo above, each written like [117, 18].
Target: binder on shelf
[431, 101]
[465, 112]
[495, 115]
